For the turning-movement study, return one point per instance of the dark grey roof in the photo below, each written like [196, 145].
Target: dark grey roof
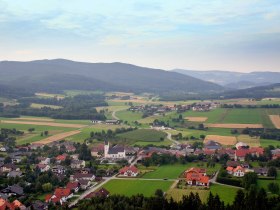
[116, 149]
[13, 189]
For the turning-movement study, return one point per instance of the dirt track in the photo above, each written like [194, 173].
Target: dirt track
[35, 119]
[58, 137]
[44, 123]
[227, 125]
[196, 119]
[225, 140]
[275, 119]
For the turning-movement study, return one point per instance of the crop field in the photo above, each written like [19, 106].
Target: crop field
[147, 135]
[39, 106]
[251, 141]
[166, 171]
[132, 187]
[267, 142]
[42, 123]
[197, 133]
[224, 140]
[275, 119]
[154, 143]
[231, 125]
[58, 137]
[213, 116]
[226, 193]
[49, 95]
[129, 116]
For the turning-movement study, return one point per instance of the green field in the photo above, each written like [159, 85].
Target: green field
[174, 171]
[133, 187]
[166, 171]
[214, 116]
[39, 106]
[129, 116]
[147, 135]
[226, 193]
[267, 142]
[264, 183]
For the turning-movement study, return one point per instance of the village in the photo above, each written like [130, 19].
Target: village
[82, 173]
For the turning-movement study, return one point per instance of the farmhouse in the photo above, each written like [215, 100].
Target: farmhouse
[60, 195]
[73, 186]
[239, 171]
[240, 154]
[117, 151]
[212, 145]
[129, 171]
[197, 177]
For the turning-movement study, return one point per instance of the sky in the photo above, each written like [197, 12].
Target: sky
[236, 35]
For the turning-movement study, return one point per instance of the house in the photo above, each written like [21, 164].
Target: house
[212, 145]
[14, 174]
[60, 158]
[15, 158]
[78, 176]
[44, 160]
[275, 153]
[73, 186]
[8, 167]
[4, 204]
[58, 169]
[129, 171]
[240, 154]
[3, 149]
[43, 167]
[223, 151]
[116, 152]
[35, 146]
[14, 190]
[61, 195]
[261, 171]
[16, 204]
[70, 148]
[112, 122]
[38, 205]
[241, 145]
[78, 164]
[99, 193]
[84, 183]
[85, 171]
[97, 151]
[197, 177]
[234, 164]
[239, 171]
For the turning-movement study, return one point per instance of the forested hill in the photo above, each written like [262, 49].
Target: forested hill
[59, 74]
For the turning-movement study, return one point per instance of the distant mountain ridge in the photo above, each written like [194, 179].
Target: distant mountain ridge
[235, 80]
[59, 74]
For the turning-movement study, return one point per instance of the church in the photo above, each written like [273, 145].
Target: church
[113, 152]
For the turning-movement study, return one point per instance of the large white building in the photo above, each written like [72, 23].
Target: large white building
[113, 152]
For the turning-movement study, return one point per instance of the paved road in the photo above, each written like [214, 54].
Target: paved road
[114, 113]
[169, 137]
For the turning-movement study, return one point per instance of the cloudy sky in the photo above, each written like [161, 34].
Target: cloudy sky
[239, 35]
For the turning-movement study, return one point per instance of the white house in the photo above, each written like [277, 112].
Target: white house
[116, 152]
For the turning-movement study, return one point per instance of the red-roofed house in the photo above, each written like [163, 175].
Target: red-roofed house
[240, 154]
[73, 186]
[197, 177]
[60, 195]
[43, 167]
[16, 204]
[60, 158]
[129, 171]
[4, 204]
[97, 151]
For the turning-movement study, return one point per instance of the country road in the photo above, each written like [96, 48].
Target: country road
[169, 137]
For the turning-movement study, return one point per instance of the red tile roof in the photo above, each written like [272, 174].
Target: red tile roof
[62, 192]
[61, 157]
[128, 168]
[72, 185]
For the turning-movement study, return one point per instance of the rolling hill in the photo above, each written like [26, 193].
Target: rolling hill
[234, 80]
[59, 74]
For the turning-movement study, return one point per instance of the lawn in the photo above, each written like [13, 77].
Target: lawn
[133, 187]
[166, 171]
[175, 170]
[226, 193]
[264, 183]
[39, 106]
[147, 135]
[166, 142]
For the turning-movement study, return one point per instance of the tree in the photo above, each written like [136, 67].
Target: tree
[200, 127]
[272, 172]
[30, 130]
[47, 187]
[249, 179]
[46, 133]
[7, 159]
[273, 187]
[159, 193]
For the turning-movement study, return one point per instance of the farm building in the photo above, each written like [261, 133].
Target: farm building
[197, 177]
[212, 145]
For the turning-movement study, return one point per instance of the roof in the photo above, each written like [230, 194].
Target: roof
[41, 166]
[212, 143]
[61, 157]
[195, 175]
[229, 168]
[239, 168]
[10, 165]
[253, 150]
[196, 170]
[72, 185]
[15, 173]
[128, 168]
[16, 204]
[116, 149]
[4, 204]
[13, 189]
[81, 176]
[98, 148]
[62, 192]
